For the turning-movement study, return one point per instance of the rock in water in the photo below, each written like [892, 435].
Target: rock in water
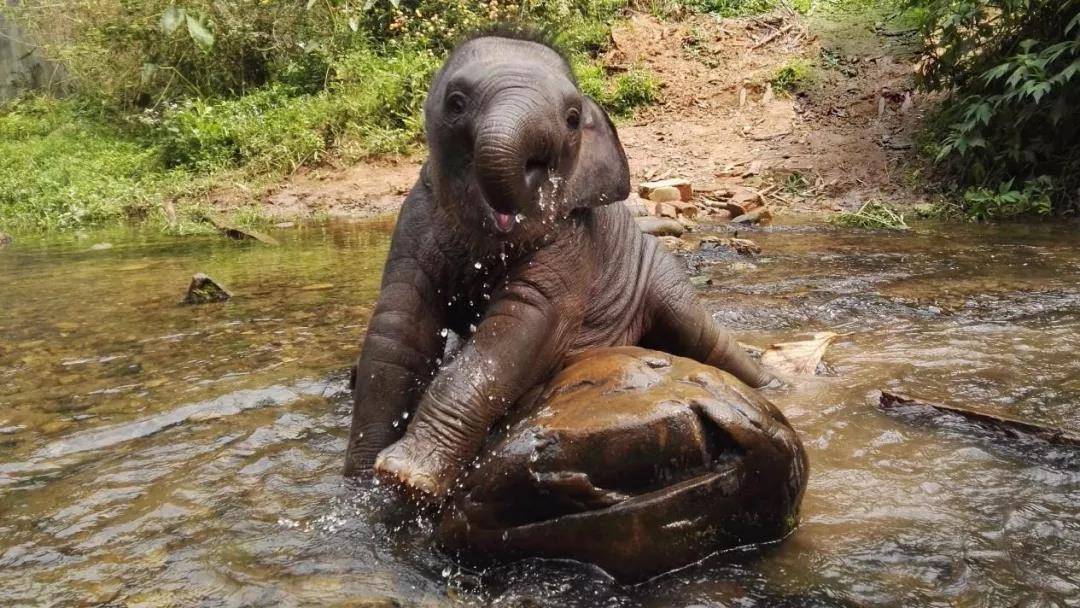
[203, 290]
[660, 226]
[636, 461]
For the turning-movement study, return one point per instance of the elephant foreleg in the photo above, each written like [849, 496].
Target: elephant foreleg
[679, 324]
[521, 340]
[399, 355]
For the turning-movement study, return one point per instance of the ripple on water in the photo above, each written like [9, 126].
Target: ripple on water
[191, 456]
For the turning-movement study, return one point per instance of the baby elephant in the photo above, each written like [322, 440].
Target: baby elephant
[510, 240]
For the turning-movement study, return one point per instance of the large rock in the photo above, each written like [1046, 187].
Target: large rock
[633, 460]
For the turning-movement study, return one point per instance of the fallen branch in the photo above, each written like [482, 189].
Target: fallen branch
[1010, 426]
[772, 36]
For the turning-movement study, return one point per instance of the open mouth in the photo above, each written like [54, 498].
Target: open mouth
[504, 222]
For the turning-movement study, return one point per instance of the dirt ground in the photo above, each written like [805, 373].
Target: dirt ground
[842, 138]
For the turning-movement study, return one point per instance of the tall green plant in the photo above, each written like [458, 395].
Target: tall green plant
[1009, 128]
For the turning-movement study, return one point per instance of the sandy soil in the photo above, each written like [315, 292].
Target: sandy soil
[844, 138]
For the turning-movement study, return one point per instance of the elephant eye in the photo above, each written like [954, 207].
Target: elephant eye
[573, 119]
[456, 103]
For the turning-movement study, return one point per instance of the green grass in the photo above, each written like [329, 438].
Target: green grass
[62, 166]
[67, 164]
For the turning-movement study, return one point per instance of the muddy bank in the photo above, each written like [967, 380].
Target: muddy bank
[842, 137]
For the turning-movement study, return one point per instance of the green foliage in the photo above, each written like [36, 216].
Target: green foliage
[188, 89]
[1006, 202]
[1007, 135]
[731, 8]
[376, 100]
[620, 95]
[61, 167]
[793, 76]
[873, 215]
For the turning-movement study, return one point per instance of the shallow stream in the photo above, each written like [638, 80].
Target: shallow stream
[153, 454]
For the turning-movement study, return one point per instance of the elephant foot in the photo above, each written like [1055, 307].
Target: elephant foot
[422, 473]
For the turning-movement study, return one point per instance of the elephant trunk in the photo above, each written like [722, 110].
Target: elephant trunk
[513, 152]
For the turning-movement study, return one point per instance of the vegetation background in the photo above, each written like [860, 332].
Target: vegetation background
[169, 97]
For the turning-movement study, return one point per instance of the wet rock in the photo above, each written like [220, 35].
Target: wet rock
[658, 226]
[761, 215]
[633, 460]
[5, 239]
[685, 190]
[677, 245]
[740, 246]
[204, 289]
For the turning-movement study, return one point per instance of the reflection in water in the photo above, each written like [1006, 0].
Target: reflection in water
[158, 455]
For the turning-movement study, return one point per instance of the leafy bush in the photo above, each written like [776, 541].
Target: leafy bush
[1007, 133]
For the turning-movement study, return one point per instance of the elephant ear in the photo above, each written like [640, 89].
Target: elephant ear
[601, 174]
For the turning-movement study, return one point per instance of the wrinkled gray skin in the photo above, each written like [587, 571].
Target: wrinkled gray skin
[508, 239]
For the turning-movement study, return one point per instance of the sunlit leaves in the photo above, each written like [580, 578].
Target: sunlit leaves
[174, 17]
[1008, 68]
[199, 33]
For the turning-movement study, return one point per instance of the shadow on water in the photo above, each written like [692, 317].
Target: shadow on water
[159, 455]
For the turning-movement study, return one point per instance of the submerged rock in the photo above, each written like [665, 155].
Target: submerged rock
[636, 461]
[204, 289]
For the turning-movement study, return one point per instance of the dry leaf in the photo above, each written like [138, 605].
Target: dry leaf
[798, 358]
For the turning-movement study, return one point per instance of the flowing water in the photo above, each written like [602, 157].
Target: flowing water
[153, 454]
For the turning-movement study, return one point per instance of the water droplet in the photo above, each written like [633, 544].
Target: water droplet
[444, 332]
[472, 328]
[478, 266]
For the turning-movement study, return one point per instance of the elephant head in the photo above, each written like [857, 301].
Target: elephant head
[514, 144]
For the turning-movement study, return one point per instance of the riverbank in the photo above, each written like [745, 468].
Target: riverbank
[818, 111]
[815, 108]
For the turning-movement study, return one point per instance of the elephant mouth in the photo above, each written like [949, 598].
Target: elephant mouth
[504, 222]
